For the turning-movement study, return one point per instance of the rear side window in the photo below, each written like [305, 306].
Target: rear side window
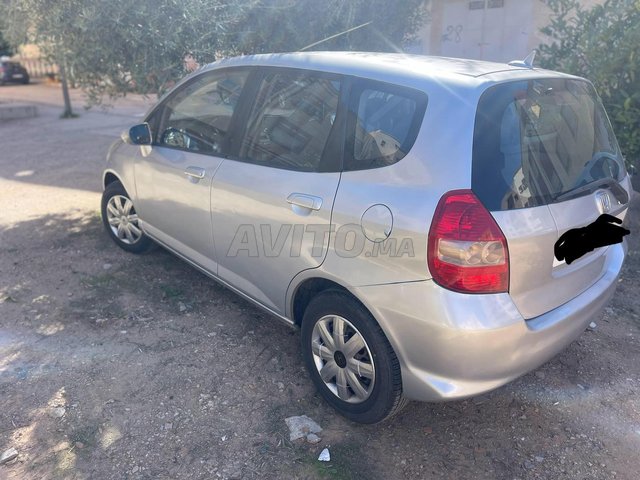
[291, 120]
[383, 124]
[537, 141]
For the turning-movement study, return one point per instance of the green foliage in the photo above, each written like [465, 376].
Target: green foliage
[5, 48]
[124, 46]
[121, 46]
[289, 25]
[603, 45]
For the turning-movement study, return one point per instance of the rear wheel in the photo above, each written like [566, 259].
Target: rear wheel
[350, 360]
[120, 219]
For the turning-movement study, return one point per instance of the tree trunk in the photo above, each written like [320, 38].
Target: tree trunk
[68, 113]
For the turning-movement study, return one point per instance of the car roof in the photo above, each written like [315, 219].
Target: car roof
[392, 65]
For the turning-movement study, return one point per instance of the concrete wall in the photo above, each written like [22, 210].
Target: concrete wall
[496, 30]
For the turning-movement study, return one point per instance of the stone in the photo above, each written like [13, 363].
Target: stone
[312, 438]
[57, 412]
[325, 456]
[8, 455]
[300, 427]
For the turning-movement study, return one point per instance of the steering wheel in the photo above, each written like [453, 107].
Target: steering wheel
[191, 140]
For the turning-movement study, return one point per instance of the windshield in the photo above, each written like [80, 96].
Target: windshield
[536, 141]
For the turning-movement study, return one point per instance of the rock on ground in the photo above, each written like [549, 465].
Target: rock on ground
[300, 427]
[8, 455]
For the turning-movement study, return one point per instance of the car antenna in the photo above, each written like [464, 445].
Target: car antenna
[527, 62]
[334, 36]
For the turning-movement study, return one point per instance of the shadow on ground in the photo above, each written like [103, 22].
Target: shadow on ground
[121, 366]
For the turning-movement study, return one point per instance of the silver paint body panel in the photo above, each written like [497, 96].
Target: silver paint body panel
[450, 345]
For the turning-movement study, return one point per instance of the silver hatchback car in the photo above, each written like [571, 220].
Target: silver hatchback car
[403, 211]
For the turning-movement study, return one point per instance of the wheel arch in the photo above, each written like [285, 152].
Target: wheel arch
[308, 288]
[305, 291]
[109, 177]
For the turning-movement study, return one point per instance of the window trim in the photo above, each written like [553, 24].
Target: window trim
[338, 151]
[358, 86]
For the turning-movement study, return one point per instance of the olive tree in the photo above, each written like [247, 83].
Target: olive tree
[121, 46]
[112, 48]
[601, 43]
[289, 25]
[5, 47]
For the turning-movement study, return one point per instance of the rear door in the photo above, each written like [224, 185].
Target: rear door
[546, 161]
[271, 201]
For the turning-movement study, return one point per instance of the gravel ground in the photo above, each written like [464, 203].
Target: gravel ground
[115, 366]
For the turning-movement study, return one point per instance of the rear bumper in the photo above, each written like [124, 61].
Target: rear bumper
[453, 345]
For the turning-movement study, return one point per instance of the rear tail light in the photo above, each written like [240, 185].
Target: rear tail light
[467, 251]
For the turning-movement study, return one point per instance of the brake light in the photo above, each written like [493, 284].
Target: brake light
[467, 251]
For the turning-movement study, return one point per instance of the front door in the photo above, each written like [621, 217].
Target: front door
[174, 175]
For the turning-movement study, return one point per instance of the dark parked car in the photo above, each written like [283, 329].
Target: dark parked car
[12, 72]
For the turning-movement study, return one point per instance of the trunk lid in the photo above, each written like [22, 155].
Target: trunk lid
[546, 161]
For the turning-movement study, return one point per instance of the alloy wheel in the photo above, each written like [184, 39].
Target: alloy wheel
[123, 219]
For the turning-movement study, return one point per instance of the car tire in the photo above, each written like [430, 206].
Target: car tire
[121, 220]
[365, 384]
[25, 80]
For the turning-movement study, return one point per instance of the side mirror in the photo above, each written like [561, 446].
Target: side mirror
[139, 135]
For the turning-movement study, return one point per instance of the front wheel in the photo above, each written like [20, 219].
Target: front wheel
[350, 360]
[120, 219]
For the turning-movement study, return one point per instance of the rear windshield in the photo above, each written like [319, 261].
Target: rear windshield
[537, 141]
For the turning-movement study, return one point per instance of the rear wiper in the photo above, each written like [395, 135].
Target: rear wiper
[591, 187]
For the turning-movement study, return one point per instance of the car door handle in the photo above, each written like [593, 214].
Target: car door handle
[195, 172]
[305, 201]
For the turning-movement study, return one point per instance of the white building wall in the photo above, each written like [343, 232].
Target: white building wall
[495, 30]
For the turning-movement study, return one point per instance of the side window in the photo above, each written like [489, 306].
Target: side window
[383, 123]
[197, 117]
[291, 120]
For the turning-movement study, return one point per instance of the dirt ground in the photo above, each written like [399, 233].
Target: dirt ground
[114, 366]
